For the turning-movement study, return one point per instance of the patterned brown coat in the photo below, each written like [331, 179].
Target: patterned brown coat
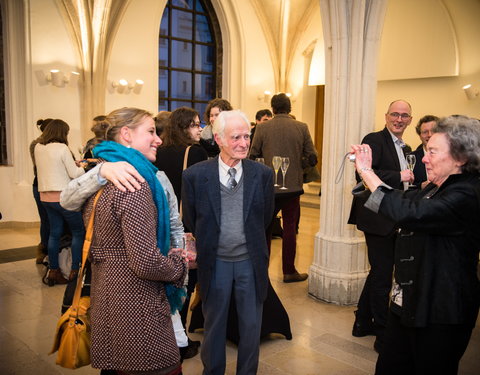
[130, 313]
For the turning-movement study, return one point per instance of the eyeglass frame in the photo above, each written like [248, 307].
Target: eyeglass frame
[403, 116]
[194, 124]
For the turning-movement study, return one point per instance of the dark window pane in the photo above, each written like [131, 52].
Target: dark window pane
[163, 52]
[199, 7]
[181, 85]
[177, 104]
[181, 55]
[162, 105]
[202, 30]
[3, 125]
[187, 4]
[163, 82]
[164, 24]
[204, 89]
[204, 58]
[200, 108]
[187, 69]
[182, 24]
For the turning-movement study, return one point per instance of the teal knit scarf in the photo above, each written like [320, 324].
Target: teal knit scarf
[113, 151]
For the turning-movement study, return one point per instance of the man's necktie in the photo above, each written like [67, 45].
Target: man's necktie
[231, 183]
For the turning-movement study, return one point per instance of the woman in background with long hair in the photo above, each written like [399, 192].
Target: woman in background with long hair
[55, 168]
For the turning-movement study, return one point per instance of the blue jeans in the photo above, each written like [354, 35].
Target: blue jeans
[56, 216]
[42, 213]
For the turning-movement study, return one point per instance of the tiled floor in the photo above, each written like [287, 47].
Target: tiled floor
[321, 344]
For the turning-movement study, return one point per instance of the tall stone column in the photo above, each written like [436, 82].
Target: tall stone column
[352, 31]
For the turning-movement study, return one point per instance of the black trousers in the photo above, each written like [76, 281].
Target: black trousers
[433, 350]
[374, 300]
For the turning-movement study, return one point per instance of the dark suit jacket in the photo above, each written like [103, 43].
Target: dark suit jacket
[419, 170]
[201, 213]
[386, 165]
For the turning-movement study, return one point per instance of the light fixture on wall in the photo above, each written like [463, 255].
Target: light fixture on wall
[470, 92]
[123, 86]
[267, 95]
[137, 86]
[57, 78]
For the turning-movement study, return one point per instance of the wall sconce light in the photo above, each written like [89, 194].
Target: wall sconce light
[122, 86]
[74, 77]
[137, 86]
[267, 95]
[59, 79]
[470, 92]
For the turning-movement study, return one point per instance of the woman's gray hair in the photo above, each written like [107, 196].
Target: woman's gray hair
[220, 122]
[463, 135]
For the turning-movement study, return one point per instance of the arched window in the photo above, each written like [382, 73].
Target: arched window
[190, 50]
[3, 125]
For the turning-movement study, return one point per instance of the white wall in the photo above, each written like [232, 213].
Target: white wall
[304, 97]
[135, 56]
[48, 46]
[440, 96]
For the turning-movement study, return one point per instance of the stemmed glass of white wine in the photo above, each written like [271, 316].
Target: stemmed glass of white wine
[411, 160]
[285, 164]
[276, 162]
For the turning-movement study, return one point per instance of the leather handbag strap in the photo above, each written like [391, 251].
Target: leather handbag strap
[185, 159]
[86, 249]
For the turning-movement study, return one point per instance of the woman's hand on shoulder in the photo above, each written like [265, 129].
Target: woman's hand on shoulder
[122, 174]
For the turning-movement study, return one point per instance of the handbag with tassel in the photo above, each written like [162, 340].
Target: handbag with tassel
[72, 335]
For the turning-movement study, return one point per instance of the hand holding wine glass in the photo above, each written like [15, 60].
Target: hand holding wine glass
[411, 160]
[276, 162]
[285, 164]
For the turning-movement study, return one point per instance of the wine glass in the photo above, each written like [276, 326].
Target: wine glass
[285, 164]
[411, 160]
[276, 162]
[260, 160]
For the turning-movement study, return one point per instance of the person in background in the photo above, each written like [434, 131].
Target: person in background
[436, 292]
[228, 203]
[137, 280]
[181, 134]
[283, 136]
[260, 117]
[99, 128]
[424, 130]
[207, 141]
[162, 120]
[181, 131]
[42, 212]
[55, 168]
[388, 152]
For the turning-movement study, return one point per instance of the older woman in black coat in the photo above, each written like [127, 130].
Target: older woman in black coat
[436, 293]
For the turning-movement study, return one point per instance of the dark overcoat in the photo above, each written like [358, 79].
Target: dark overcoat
[202, 211]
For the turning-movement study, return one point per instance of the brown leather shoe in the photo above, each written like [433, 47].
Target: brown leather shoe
[55, 277]
[294, 277]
